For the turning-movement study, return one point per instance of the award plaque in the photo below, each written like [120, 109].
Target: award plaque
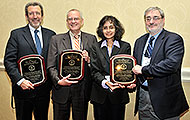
[32, 68]
[71, 62]
[121, 69]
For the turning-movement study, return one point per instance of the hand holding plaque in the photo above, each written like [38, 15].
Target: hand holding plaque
[121, 69]
[32, 68]
[71, 62]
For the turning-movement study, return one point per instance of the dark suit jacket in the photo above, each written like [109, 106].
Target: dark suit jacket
[21, 44]
[165, 89]
[57, 45]
[100, 64]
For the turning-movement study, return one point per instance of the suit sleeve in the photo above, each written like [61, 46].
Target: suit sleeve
[11, 58]
[52, 60]
[95, 65]
[94, 41]
[168, 59]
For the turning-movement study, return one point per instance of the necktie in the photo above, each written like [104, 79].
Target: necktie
[38, 44]
[76, 42]
[148, 52]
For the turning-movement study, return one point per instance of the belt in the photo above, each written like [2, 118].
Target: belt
[144, 87]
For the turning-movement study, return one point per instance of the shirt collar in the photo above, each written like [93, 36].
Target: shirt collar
[115, 43]
[71, 34]
[155, 36]
[33, 29]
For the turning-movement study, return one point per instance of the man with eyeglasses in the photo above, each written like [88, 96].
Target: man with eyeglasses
[67, 93]
[159, 55]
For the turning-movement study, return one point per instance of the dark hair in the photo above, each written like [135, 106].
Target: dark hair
[119, 30]
[33, 4]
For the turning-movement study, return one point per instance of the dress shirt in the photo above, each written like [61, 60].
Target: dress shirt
[146, 60]
[73, 38]
[39, 34]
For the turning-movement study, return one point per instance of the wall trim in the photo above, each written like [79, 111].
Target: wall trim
[1, 65]
[185, 72]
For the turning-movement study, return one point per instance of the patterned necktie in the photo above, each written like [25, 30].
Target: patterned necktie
[76, 42]
[148, 52]
[38, 44]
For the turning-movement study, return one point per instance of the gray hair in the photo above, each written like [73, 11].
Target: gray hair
[75, 10]
[152, 9]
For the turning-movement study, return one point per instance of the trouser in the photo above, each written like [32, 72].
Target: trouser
[146, 111]
[109, 111]
[79, 110]
[39, 105]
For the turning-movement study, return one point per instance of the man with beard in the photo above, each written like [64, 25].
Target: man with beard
[159, 55]
[67, 93]
[24, 42]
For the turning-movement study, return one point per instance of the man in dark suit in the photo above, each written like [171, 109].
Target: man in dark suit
[159, 55]
[66, 93]
[29, 98]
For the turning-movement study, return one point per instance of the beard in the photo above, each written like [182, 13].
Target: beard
[155, 31]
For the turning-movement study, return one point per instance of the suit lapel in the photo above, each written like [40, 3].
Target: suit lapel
[115, 50]
[44, 38]
[141, 49]
[157, 45]
[104, 52]
[67, 41]
[107, 59]
[28, 37]
[84, 41]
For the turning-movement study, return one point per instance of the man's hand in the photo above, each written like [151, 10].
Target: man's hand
[26, 85]
[137, 69]
[85, 55]
[131, 86]
[65, 82]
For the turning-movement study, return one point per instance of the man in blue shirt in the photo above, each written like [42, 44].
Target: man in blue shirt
[159, 56]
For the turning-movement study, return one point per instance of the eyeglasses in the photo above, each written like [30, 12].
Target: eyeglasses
[155, 18]
[75, 19]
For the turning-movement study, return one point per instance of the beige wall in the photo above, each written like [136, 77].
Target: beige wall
[129, 12]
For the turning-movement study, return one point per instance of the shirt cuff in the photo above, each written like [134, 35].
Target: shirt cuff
[106, 80]
[104, 84]
[20, 81]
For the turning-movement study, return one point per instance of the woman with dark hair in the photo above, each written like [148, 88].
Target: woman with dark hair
[109, 102]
